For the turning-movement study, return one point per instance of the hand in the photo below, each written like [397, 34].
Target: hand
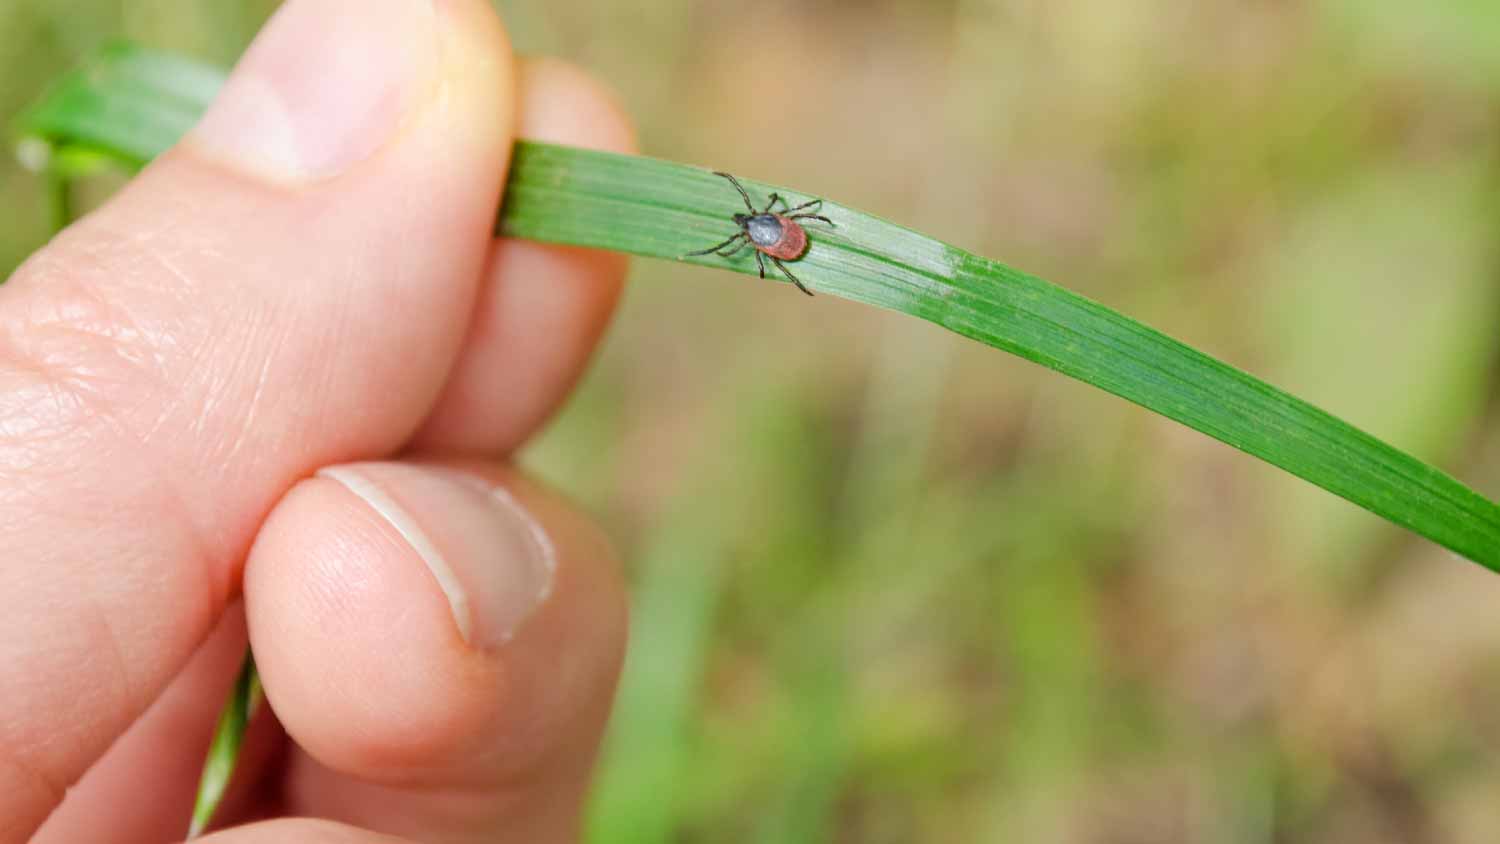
[237, 372]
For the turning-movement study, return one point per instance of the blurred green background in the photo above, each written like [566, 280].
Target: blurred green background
[893, 586]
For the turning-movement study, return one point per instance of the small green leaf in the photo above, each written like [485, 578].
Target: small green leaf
[127, 103]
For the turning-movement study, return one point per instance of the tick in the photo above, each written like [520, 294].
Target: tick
[776, 236]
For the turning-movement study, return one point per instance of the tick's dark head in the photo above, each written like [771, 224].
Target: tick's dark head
[741, 220]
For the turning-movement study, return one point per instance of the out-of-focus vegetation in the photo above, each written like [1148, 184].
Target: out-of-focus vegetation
[893, 586]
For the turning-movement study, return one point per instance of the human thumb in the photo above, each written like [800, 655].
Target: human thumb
[284, 290]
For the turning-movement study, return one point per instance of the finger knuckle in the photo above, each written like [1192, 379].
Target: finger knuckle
[92, 353]
[89, 342]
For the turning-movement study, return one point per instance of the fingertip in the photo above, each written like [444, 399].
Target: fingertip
[297, 831]
[358, 651]
[480, 54]
[362, 647]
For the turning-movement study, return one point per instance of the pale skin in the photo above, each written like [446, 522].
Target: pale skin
[178, 368]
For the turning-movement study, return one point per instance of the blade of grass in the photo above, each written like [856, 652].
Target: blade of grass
[224, 750]
[133, 103]
[646, 756]
[651, 764]
[818, 752]
[655, 208]
[127, 103]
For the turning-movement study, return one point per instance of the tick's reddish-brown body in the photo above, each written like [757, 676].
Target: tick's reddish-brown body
[776, 236]
[792, 243]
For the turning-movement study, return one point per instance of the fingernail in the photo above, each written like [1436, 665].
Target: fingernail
[324, 85]
[489, 556]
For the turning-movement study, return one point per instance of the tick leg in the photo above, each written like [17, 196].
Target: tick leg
[806, 205]
[782, 267]
[735, 251]
[760, 260]
[739, 187]
[775, 198]
[817, 217]
[715, 248]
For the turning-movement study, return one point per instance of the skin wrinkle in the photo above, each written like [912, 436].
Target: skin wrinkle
[330, 343]
[13, 755]
[118, 266]
[251, 386]
[130, 691]
[43, 343]
[80, 351]
[133, 697]
[252, 412]
[108, 347]
[54, 790]
[80, 339]
[219, 398]
[51, 436]
[155, 253]
[165, 339]
[62, 372]
[101, 629]
[31, 412]
[319, 415]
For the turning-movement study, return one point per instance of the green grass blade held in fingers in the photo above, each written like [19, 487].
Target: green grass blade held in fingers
[133, 103]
